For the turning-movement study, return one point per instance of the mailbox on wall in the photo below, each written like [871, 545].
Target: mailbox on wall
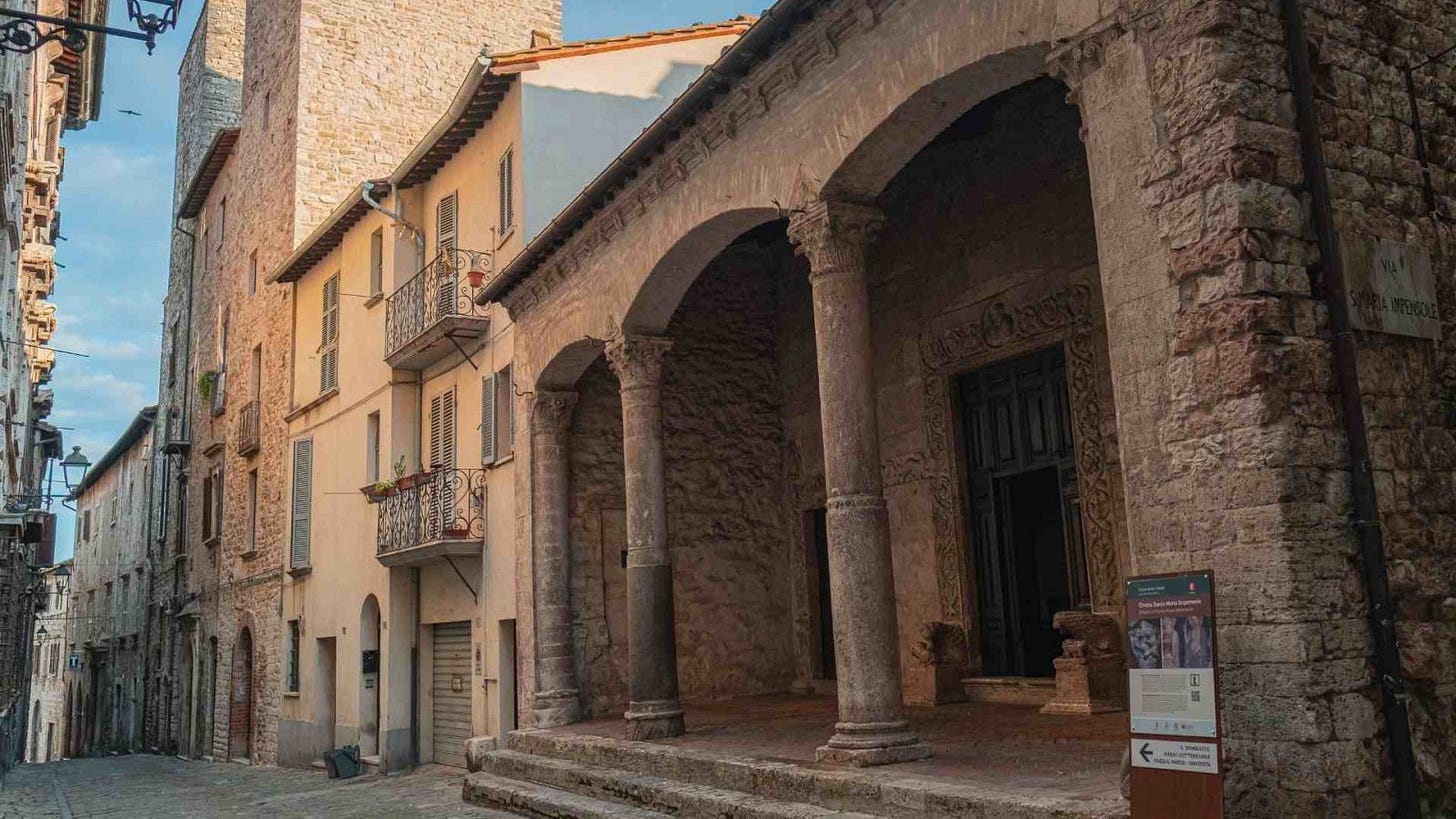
[371, 661]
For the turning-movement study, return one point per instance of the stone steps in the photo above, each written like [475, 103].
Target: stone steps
[543, 802]
[655, 793]
[689, 782]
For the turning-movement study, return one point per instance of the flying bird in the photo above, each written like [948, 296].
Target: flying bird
[128, 112]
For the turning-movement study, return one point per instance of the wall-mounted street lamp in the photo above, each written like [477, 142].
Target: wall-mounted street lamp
[77, 463]
[24, 35]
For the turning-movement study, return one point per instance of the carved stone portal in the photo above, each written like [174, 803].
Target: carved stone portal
[1092, 671]
[1067, 316]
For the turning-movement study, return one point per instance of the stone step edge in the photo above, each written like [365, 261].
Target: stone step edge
[669, 796]
[911, 796]
[542, 802]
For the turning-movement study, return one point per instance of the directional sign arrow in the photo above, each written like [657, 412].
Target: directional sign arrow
[1145, 753]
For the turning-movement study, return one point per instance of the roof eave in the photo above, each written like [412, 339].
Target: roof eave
[207, 172]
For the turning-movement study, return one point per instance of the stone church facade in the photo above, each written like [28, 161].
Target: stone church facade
[805, 368]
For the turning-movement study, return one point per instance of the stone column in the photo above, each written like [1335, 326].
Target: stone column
[834, 237]
[557, 699]
[653, 710]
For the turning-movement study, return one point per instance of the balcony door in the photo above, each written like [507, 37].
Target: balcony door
[446, 283]
[439, 506]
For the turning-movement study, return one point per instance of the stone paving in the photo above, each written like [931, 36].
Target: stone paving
[162, 786]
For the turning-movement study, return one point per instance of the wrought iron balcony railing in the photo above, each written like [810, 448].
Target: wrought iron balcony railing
[444, 509]
[444, 290]
[246, 439]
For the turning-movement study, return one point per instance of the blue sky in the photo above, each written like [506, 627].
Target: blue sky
[116, 204]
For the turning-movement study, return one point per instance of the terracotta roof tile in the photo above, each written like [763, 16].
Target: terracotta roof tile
[580, 47]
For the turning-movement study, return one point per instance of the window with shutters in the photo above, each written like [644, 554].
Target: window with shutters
[446, 223]
[506, 178]
[442, 431]
[329, 343]
[300, 534]
[497, 430]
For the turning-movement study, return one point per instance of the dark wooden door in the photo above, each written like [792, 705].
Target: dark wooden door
[1025, 526]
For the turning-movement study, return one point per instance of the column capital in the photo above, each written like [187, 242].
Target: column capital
[833, 234]
[1082, 55]
[637, 359]
[551, 410]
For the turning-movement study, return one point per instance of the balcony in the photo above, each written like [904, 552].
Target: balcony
[432, 515]
[427, 318]
[246, 439]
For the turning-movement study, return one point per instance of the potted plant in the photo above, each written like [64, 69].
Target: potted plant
[401, 480]
[476, 274]
[377, 492]
[207, 384]
[455, 530]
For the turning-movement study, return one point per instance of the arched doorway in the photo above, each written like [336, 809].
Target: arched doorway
[240, 706]
[369, 677]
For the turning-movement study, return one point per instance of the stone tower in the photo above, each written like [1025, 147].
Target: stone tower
[323, 94]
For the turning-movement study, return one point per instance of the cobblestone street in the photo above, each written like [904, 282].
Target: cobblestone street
[160, 786]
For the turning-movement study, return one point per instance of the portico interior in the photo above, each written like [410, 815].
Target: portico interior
[992, 463]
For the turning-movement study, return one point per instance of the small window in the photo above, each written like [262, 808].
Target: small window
[506, 172]
[86, 525]
[376, 262]
[293, 650]
[253, 273]
[267, 109]
[371, 446]
[221, 220]
[252, 511]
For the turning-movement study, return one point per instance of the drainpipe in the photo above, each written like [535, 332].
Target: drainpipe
[1332, 286]
[415, 672]
[399, 221]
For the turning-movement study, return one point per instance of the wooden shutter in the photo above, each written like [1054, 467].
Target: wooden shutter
[445, 224]
[302, 502]
[506, 179]
[442, 430]
[487, 420]
[505, 405]
[329, 358]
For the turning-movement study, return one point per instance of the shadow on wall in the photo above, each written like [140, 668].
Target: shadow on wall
[573, 135]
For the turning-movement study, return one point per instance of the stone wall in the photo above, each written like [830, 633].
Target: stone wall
[724, 448]
[727, 527]
[1226, 390]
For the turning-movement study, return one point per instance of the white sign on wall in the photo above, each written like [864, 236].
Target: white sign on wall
[1392, 288]
[1173, 755]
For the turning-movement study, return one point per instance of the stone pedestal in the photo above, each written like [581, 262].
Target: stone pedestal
[653, 711]
[834, 236]
[557, 701]
[1092, 671]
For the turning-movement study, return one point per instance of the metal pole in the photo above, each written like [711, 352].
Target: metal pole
[1371, 540]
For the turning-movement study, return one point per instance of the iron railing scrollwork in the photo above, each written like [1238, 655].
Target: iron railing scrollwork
[446, 504]
[247, 432]
[446, 287]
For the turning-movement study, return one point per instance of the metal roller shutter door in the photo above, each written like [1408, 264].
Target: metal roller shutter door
[452, 692]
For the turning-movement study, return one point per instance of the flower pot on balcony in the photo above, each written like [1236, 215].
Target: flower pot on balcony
[377, 492]
[405, 482]
[456, 532]
[475, 276]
